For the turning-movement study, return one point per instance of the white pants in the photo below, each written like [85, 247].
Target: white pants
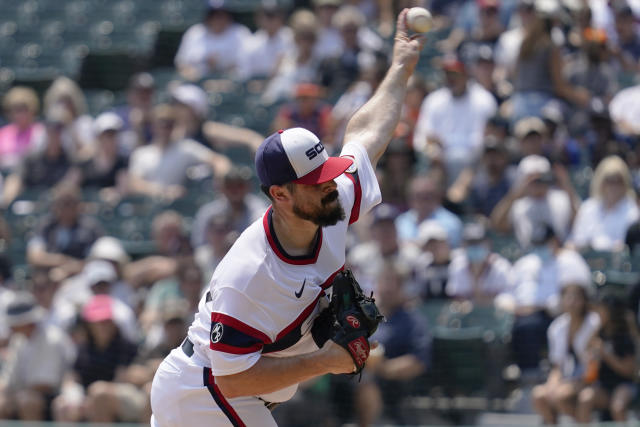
[180, 397]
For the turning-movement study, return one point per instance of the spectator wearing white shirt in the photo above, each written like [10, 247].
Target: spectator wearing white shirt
[39, 356]
[298, 65]
[533, 201]
[624, 109]
[214, 45]
[476, 273]
[533, 294]
[160, 168]
[440, 133]
[269, 44]
[568, 338]
[603, 219]
[329, 41]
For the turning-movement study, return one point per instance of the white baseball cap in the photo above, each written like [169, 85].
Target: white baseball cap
[98, 271]
[431, 230]
[193, 97]
[107, 121]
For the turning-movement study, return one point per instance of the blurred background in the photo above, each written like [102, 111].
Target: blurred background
[505, 255]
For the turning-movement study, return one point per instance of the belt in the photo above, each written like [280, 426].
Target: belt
[187, 347]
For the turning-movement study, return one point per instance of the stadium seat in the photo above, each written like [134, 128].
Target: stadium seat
[107, 70]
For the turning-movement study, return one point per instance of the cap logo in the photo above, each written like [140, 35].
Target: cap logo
[312, 152]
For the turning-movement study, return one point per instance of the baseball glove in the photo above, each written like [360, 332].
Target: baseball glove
[356, 317]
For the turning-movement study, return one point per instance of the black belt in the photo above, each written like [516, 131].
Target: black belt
[187, 347]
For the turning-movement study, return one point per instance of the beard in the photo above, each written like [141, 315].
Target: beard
[324, 216]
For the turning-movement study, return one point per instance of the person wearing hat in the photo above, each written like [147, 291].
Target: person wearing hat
[106, 168]
[252, 342]
[159, 169]
[39, 355]
[308, 110]
[476, 273]
[440, 134]
[104, 355]
[45, 167]
[235, 199]
[430, 268]
[568, 338]
[531, 135]
[214, 45]
[534, 200]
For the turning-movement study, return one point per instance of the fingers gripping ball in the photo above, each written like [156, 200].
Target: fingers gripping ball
[419, 19]
[357, 317]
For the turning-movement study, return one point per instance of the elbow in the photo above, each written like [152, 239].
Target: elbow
[228, 387]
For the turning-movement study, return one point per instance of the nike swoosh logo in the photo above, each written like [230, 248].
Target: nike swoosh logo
[299, 293]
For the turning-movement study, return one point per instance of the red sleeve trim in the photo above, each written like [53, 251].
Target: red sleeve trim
[226, 348]
[355, 210]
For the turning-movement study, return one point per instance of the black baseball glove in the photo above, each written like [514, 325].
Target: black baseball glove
[356, 317]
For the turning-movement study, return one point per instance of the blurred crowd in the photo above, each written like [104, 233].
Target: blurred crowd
[515, 161]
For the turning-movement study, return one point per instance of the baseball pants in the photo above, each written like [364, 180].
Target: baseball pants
[185, 394]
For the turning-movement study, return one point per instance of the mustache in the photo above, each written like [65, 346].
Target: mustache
[330, 197]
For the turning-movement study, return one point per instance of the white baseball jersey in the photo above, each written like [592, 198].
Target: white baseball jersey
[262, 302]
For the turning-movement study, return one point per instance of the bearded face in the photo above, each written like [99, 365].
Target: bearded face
[329, 212]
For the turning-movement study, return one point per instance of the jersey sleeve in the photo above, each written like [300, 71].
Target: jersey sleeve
[235, 340]
[365, 184]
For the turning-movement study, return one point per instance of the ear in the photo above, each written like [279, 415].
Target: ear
[280, 193]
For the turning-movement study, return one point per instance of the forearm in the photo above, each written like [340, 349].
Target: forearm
[402, 368]
[270, 374]
[373, 124]
[500, 214]
[624, 367]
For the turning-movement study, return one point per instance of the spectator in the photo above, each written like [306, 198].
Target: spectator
[329, 43]
[136, 113]
[430, 270]
[614, 350]
[359, 50]
[624, 109]
[603, 219]
[66, 235]
[440, 134]
[269, 44]
[568, 337]
[23, 133]
[107, 166]
[485, 31]
[395, 171]
[476, 273]
[425, 200]
[102, 358]
[531, 135]
[186, 286]
[43, 168]
[39, 356]
[160, 168]
[219, 237]
[367, 258]
[300, 65]
[308, 110]
[538, 74]
[532, 201]
[65, 94]
[235, 201]
[214, 45]
[404, 355]
[482, 187]
[628, 45]
[534, 292]
[190, 108]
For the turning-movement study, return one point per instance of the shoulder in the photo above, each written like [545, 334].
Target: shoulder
[499, 263]
[559, 325]
[197, 30]
[458, 261]
[437, 97]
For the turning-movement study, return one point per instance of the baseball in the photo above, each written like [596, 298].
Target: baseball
[419, 19]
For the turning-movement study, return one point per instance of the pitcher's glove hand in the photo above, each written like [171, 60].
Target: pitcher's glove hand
[357, 317]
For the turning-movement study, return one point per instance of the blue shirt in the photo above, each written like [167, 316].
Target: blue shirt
[403, 333]
[407, 225]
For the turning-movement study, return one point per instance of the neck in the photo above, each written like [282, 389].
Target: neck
[297, 236]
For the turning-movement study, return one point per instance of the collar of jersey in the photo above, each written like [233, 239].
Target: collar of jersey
[279, 250]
